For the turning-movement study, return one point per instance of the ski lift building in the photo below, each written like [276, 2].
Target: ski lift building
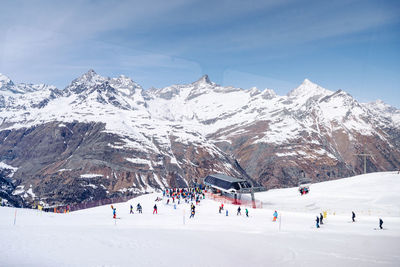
[226, 183]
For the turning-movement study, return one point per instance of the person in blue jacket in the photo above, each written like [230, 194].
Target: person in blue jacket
[275, 216]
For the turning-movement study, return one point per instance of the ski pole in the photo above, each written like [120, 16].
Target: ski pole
[15, 216]
[280, 220]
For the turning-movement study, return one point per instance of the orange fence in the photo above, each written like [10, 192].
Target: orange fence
[242, 200]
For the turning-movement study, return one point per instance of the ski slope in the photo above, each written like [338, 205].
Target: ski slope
[92, 238]
[375, 194]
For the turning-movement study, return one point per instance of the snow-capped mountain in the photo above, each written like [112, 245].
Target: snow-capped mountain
[103, 137]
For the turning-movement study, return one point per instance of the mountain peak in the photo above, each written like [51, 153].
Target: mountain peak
[87, 80]
[89, 75]
[309, 89]
[203, 80]
[5, 81]
[125, 85]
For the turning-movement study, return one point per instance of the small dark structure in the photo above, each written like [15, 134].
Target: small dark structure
[226, 183]
[232, 187]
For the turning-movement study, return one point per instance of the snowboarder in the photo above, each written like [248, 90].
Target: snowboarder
[155, 209]
[380, 223]
[247, 212]
[114, 213]
[353, 216]
[320, 218]
[275, 216]
[238, 211]
[131, 210]
[317, 220]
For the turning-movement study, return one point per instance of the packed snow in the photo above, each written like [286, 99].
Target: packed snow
[92, 238]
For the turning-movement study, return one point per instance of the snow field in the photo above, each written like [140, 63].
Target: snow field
[92, 238]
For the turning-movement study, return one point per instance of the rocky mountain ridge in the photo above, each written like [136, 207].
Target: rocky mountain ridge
[102, 137]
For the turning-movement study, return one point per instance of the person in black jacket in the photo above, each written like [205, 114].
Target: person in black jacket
[238, 211]
[380, 223]
[320, 218]
[155, 209]
[353, 216]
[317, 220]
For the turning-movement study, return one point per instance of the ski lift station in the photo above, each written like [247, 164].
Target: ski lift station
[225, 183]
[232, 187]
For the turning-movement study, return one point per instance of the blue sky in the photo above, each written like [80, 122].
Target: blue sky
[349, 45]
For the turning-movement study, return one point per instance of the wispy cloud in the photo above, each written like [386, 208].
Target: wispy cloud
[177, 40]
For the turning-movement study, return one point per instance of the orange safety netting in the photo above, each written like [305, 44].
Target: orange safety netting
[241, 200]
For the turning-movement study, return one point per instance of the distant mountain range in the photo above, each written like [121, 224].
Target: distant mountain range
[105, 137]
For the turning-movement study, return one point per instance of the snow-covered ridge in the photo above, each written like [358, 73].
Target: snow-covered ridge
[199, 108]
[8, 167]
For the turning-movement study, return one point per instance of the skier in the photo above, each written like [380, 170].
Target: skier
[317, 220]
[353, 216]
[238, 211]
[167, 201]
[220, 208]
[320, 218]
[247, 212]
[226, 213]
[380, 223]
[115, 213]
[155, 209]
[140, 208]
[275, 216]
[192, 214]
[131, 210]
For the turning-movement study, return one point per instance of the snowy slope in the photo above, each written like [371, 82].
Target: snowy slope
[369, 194]
[92, 238]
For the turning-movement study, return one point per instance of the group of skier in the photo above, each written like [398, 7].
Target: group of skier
[184, 194]
[319, 220]
[138, 208]
[190, 194]
[239, 210]
[353, 217]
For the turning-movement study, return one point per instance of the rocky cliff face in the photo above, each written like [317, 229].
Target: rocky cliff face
[106, 137]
